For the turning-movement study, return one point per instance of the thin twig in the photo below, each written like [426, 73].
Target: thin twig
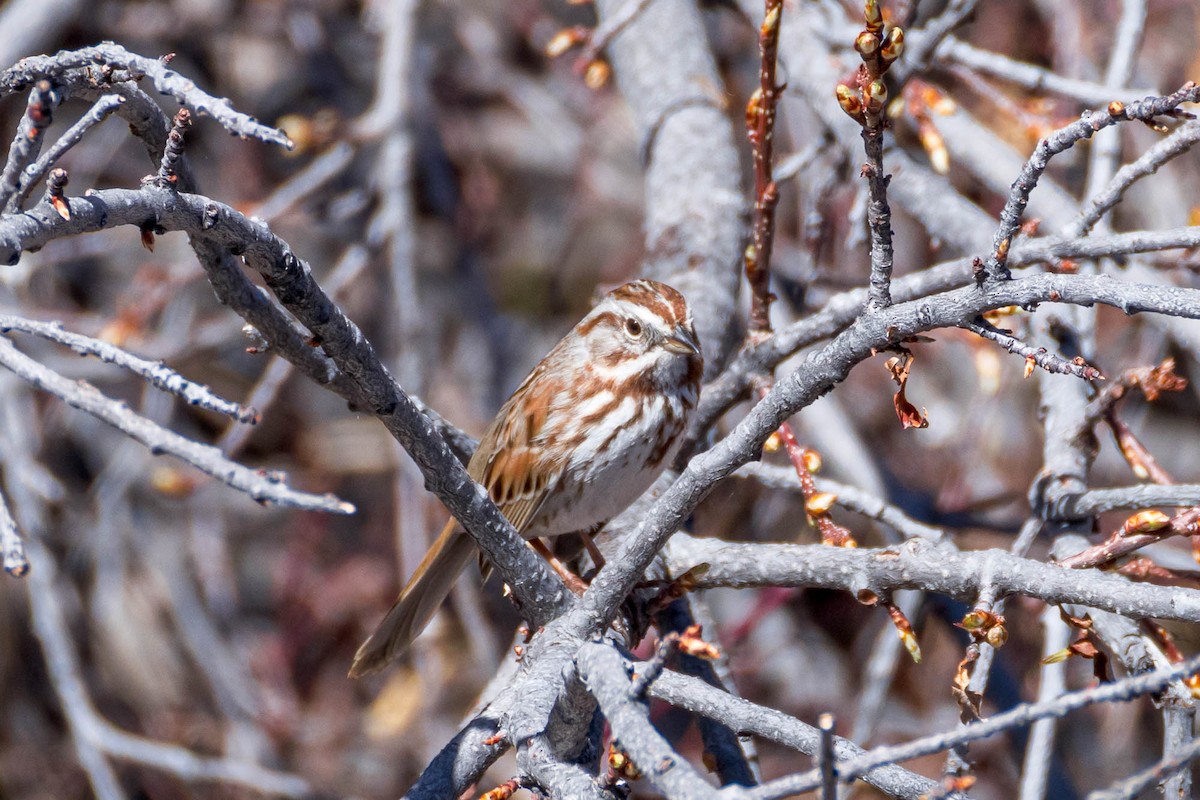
[919, 564]
[1179, 142]
[112, 56]
[1131, 787]
[167, 168]
[1020, 716]
[156, 373]
[848, 497]
[39, 113]
[773, 725]
[1039, 749]
[603, 671]
[760, 122]
[1146, 110]
[611, 27]
[1105, 151]
[928, 40]
[1130, 537]
[1142, 495]
[733, 756]
[35, 172]
[96, 738]
[864, 99]
[844, 308]
[316, 174]
[215, 226]
[261, 485]
[1038, 356]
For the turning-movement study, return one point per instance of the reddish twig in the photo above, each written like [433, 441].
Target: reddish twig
[760, 126]
[1141, 568]
[1152, 381]
[816, 503]
[1143, 528]
[1140, 459]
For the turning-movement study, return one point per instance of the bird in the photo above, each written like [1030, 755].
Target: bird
[587, 432]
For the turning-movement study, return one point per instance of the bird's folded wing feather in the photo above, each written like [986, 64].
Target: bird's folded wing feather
[512, 461]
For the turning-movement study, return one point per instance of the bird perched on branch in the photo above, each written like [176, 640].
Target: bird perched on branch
[585, 434]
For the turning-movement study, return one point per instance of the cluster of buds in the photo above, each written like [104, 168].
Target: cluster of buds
[984, 626]
[620, 765]
[864, 95]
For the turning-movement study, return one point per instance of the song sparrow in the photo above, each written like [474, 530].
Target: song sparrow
[583, 436]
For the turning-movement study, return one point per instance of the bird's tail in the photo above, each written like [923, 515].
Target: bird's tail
[420, 600]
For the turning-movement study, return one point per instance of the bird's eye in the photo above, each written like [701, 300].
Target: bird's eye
[633, 327]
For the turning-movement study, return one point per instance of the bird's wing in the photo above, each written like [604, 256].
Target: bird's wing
[512, 461]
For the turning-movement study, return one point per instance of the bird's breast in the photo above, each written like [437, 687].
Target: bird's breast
[623, 444]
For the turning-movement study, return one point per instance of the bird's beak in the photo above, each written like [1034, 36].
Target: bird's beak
[683, 341]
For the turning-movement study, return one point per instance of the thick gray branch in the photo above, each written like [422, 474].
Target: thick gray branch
[919, 564]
